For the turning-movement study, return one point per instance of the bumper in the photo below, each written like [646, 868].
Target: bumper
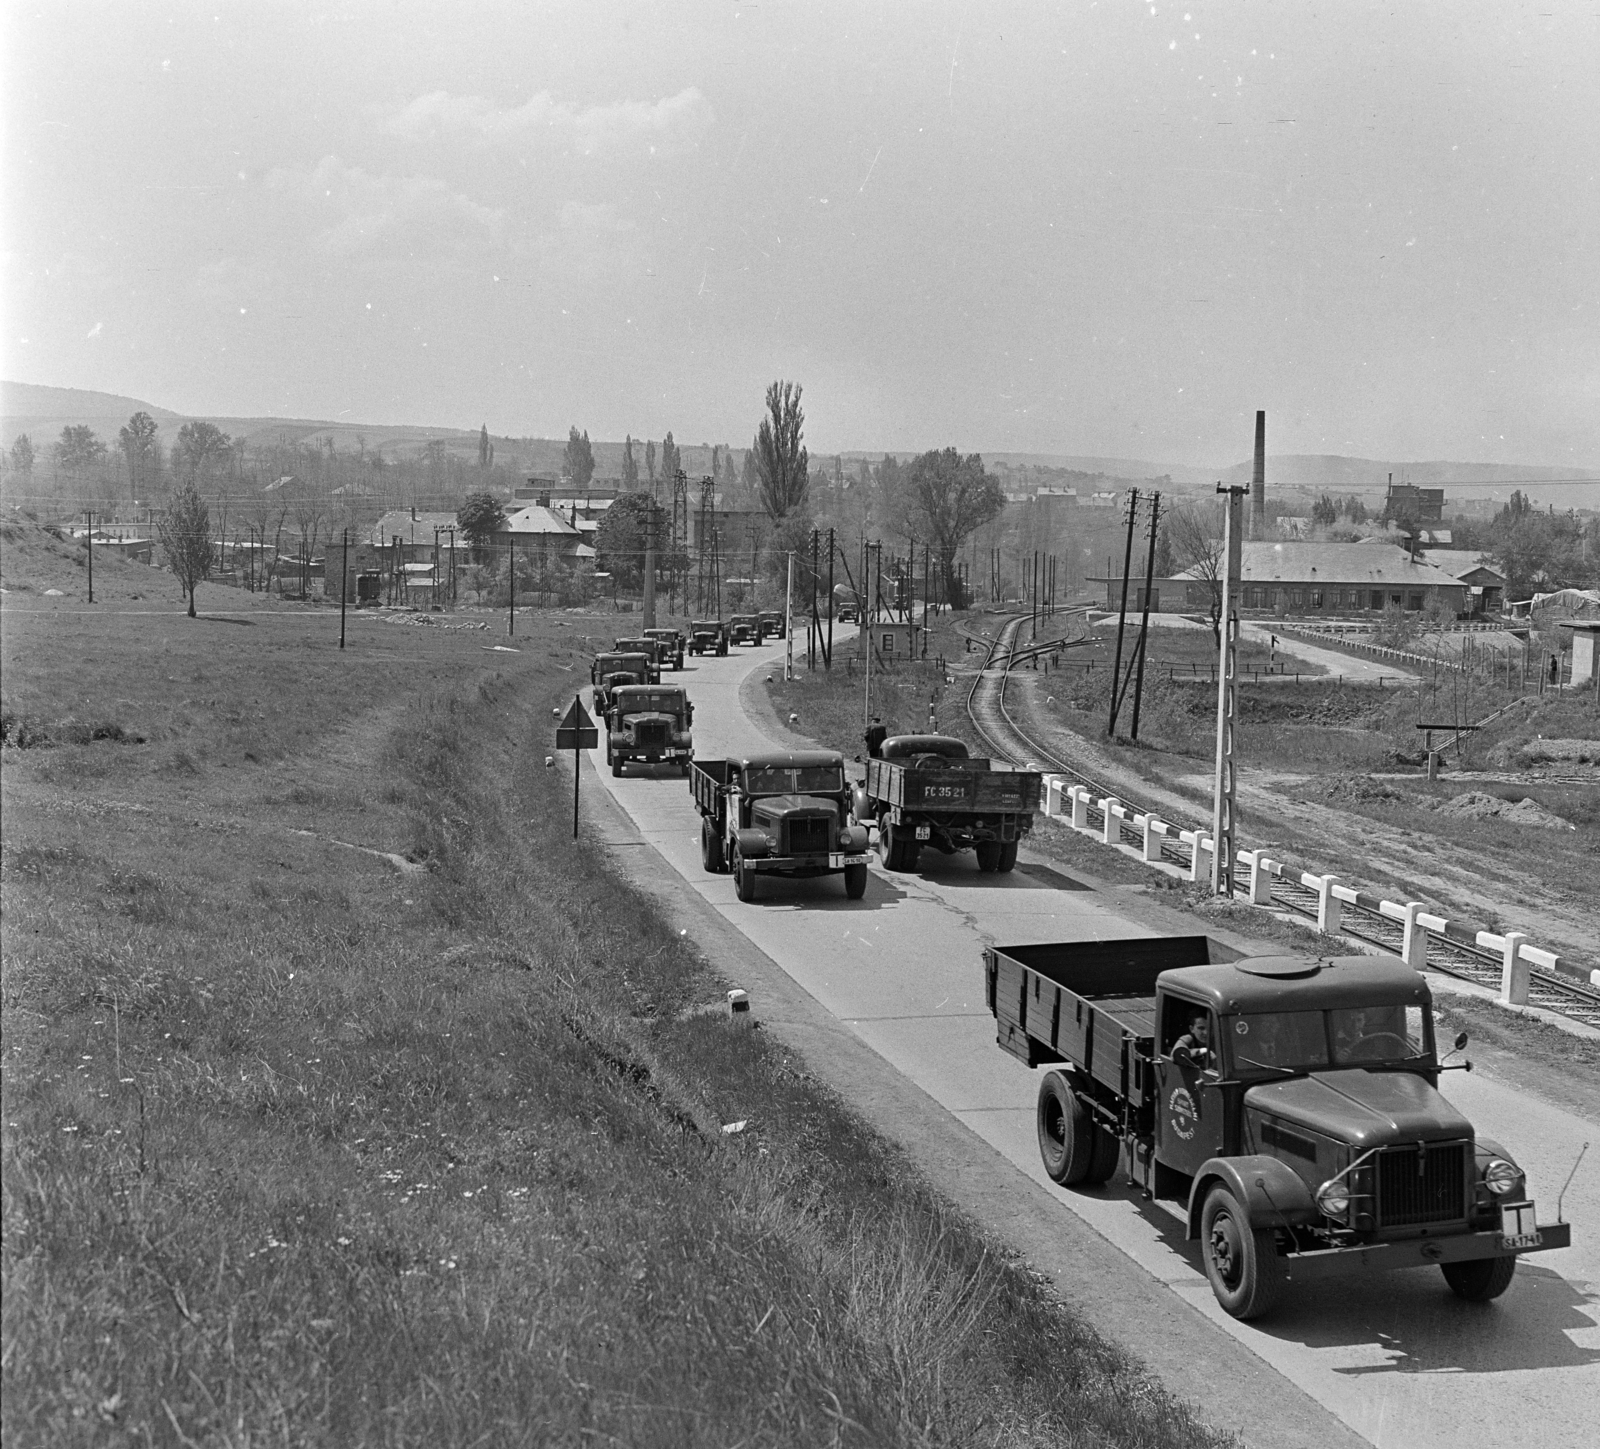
[805, 864]
[1418, 1253]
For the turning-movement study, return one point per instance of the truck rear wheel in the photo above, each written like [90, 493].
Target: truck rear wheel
[710, 848]
[855, 882]
[1067, 1133]
[1008, 857]
[744, 879]
[988, 852]
[1481, 1279]
[1241, 1261]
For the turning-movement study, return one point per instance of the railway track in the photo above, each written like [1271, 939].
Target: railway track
[1007, 739]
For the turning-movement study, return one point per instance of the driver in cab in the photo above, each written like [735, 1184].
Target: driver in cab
[1193, 1048]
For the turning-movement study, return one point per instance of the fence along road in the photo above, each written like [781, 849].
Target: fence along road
[1398, 1358]
[1405, 928]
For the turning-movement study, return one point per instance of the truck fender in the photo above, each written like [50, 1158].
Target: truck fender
[854, 839]
[1269, 1190]
[753, 844]
[860, 803]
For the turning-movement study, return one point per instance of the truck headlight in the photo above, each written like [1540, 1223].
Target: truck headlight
[1333, 1197]
[1501, 1177]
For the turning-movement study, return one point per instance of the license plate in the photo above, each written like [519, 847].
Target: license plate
[924, 832]
[1518, 1226]
[944, 792]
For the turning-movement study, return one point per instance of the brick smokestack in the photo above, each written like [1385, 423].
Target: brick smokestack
[1258, 480]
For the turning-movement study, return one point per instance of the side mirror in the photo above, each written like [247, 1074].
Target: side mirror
[1461, 1041]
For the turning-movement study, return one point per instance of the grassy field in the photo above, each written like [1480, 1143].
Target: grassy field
[347, 1100]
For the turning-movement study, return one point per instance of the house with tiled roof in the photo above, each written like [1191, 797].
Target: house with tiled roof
[1308, 580]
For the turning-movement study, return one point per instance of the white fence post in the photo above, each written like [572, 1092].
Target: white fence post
[1199, 855]
[1112, 832]
[1080, 807]
[1414, 944]
[1260, 881]
[1152, 841]
[1514, 972]
[1329, 906]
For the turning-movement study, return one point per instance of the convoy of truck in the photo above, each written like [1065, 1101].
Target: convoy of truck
[779, 813]
[649, 723]
[927, 790]
[1285, 1110]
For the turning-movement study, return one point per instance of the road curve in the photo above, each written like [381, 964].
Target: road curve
[1397, 1358]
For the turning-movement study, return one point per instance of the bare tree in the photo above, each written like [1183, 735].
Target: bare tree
[199, 447]
[185, 534]
[781, 460]
[1195, 538]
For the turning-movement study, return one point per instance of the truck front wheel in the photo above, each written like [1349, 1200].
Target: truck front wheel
[1481, 1279]
[744, 879]
[855, 882]
[1241, 1261]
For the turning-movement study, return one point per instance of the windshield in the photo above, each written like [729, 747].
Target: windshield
[789, 780]
[1293, 1040]
[663, 702]
[1378, 1034]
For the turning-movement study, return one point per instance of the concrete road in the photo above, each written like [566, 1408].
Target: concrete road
[1396, 1357]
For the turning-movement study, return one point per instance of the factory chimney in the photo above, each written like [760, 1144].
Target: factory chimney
[1258, 480]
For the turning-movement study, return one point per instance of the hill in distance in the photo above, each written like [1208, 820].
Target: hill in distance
[42, 412]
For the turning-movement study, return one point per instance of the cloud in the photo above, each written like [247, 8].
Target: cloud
[367, 207]
[590, 243]
[673, 124]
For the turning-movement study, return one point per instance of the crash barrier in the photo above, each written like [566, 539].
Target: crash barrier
[1158, 841]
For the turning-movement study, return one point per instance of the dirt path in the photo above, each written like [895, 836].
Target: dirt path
[1350, 666]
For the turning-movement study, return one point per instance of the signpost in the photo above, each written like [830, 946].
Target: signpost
[577, 732]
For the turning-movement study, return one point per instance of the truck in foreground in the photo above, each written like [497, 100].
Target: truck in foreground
[927, 790]
[649, 724]
[1285, 1110]
[780, 813]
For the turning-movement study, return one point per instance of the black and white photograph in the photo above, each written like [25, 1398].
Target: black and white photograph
[800, 723]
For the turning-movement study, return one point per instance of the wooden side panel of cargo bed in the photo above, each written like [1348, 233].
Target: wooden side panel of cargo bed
[1105, 1060]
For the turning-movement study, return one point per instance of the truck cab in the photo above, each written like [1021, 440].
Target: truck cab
[706, 636]
[613, 669]
[650, 724]
[670, 644]
[1285, 1109]
[744, 629]
[652, 649]
[771, 623]
[782, 813]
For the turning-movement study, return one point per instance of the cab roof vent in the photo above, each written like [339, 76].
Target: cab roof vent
[1280, 967]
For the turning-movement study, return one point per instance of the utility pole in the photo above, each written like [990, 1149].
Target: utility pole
[1122, 613]
[511, 573]
[1224, 788]
[1144, 618]
[827, 654]
[788, 621]
[88, 538]
[344, 584]
[652, 522]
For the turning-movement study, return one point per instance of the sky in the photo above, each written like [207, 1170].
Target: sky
[1114, 229]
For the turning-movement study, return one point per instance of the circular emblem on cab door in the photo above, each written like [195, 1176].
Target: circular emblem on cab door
[1181, 1113]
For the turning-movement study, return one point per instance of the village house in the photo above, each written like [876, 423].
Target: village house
[1308, 580]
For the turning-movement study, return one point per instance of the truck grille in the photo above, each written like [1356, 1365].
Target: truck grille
[1417, 1185]
[650, 732]
[809, 837]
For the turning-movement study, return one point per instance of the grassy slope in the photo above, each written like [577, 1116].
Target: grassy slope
[301, 1146]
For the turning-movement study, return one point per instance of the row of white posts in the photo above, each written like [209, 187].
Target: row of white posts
[1072, 803]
